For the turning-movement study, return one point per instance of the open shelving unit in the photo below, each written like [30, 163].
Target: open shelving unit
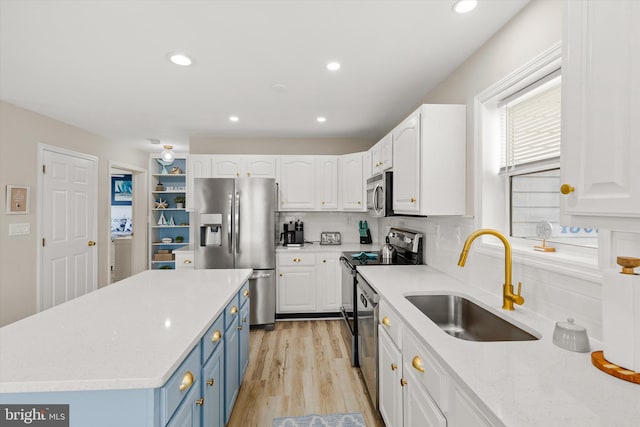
[167, 220]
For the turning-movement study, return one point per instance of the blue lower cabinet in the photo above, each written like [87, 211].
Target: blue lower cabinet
[189, 414]
[231, 374]
[213, 389]
[244, 340]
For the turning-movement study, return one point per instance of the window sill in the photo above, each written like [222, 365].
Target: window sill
[579, 264]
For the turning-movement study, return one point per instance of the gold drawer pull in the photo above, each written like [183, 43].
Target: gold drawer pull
[394, 366]
[216, 336]
[200, 401]
[246, 292]
[386, 321]
[187, 381]
[297, 260]
[234, 309]
[187, 261]
[413, 200]
[566, 189]
[211, 382]
[417, 364]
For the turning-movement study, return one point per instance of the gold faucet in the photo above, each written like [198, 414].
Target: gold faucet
[508, 297]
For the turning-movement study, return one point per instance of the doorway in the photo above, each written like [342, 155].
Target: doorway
[127, 225]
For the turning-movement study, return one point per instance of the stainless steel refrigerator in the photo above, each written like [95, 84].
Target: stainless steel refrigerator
[236, 228]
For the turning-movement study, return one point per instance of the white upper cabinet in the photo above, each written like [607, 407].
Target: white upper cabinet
[429, 150]
[600, 114]
[327, 183]
[352, 184]
[297, 183]
[382, 155]
[199, 166]
[227, 166]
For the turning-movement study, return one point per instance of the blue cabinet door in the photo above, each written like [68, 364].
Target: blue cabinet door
[231, 358]
[244, 340]
[189, 414]
[213, 385]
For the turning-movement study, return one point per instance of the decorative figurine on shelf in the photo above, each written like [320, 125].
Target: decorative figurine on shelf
[176, 171]
[171, 221]
[159, 187]
[162, 220]
[164, 165]
[161, 204]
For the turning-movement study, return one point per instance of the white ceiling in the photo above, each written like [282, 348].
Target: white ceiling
[102, 65]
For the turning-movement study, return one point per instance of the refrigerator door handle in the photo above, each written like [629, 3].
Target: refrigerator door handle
[229, 223]
[237, 223]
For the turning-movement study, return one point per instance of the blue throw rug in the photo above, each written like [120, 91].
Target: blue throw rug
[332, 420]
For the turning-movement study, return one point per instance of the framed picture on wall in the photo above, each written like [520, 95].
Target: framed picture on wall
[121, 190]
[17, 199]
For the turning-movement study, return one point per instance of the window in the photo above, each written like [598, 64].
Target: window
[517, 171]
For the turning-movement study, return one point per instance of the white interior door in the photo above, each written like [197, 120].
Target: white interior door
[69, 218]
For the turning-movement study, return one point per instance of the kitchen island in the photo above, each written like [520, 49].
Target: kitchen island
[517, 383]
[106, 352]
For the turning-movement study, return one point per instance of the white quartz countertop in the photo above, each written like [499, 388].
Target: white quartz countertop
[129, 335]
[526, 383]
[317, 247]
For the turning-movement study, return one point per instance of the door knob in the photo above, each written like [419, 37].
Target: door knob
[566, 189]
[91, 243]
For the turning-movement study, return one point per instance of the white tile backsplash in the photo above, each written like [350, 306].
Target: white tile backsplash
[346, 223]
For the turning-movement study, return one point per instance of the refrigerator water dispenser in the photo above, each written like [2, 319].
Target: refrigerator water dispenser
[211, 230]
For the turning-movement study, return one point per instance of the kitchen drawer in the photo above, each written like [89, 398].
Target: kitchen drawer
[212, 337]
[295, 259]
[391, 323]
[232, 311]
[183, 380]
[184, 259]
[428, 372]
[243, 294]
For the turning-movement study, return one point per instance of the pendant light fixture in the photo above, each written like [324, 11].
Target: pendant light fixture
[167, 154]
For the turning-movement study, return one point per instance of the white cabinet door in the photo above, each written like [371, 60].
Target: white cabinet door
[296, 289]
[382, 155]
[297, 183]
[327, 183]
[329, 285]
[406, 176]
[184, 259]
[389, 374]
[199, 166]
[259, 166]
[464, 412]
[419, 408]
[600, 113]
[367, 170]
[352, 183]
[224, 166]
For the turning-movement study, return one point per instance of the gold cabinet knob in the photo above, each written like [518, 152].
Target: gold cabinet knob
[566, 189]
[323, 202]
[187, 261]
[200, 401]
[246, 292]
[234, 310]
[187, 381]
[359, 202]
[417, 364]
[324, 260]
[394, 366]
[240, 327]
[211, 382]
[237, 173]
[297, 260]
[91, 243]
[248, 173]
[216, 336]
[413, 200]
[628, 264]
[386, 321]
[281, 274]
[403, 382]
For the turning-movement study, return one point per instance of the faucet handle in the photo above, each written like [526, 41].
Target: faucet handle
[518, 299]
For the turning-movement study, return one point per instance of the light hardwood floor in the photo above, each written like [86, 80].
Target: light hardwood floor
[300, 368]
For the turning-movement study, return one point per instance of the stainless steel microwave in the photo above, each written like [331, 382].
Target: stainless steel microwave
[380, 195]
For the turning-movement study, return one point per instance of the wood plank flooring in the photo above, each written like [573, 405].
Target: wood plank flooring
[300, 368]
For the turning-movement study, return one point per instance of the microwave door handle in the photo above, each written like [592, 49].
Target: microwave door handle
[237, 223]
[229, 223]
[376, 208]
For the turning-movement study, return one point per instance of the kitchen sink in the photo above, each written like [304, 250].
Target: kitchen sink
[463, 319]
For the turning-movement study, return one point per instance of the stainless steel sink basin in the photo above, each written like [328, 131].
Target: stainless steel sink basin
[463, 319]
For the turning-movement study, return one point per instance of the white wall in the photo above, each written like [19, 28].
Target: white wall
[20, 132]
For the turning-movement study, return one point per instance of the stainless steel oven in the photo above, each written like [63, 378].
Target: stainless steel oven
[349, 325]
[380, 195]
[367, 300]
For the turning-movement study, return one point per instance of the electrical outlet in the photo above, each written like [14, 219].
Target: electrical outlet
[20, 229]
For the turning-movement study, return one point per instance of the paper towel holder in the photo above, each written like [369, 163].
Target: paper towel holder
[628, 264]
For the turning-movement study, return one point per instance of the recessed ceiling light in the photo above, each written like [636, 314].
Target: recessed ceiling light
[464, 6]
[234, 118]
[180, 59]
[279, 87]
[321, 119]
[333, 66]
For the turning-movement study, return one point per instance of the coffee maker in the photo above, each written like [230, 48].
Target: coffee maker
[293, 234]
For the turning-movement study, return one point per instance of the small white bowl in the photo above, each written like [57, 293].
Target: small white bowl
[167, 240]
[572, 337]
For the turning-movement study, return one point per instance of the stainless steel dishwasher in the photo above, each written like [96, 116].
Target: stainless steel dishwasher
[367, 301]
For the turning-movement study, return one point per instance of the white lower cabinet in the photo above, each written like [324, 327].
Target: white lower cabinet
[414, 389]
[308, 282]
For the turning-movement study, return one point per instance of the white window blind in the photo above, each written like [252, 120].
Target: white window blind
[532, 126]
